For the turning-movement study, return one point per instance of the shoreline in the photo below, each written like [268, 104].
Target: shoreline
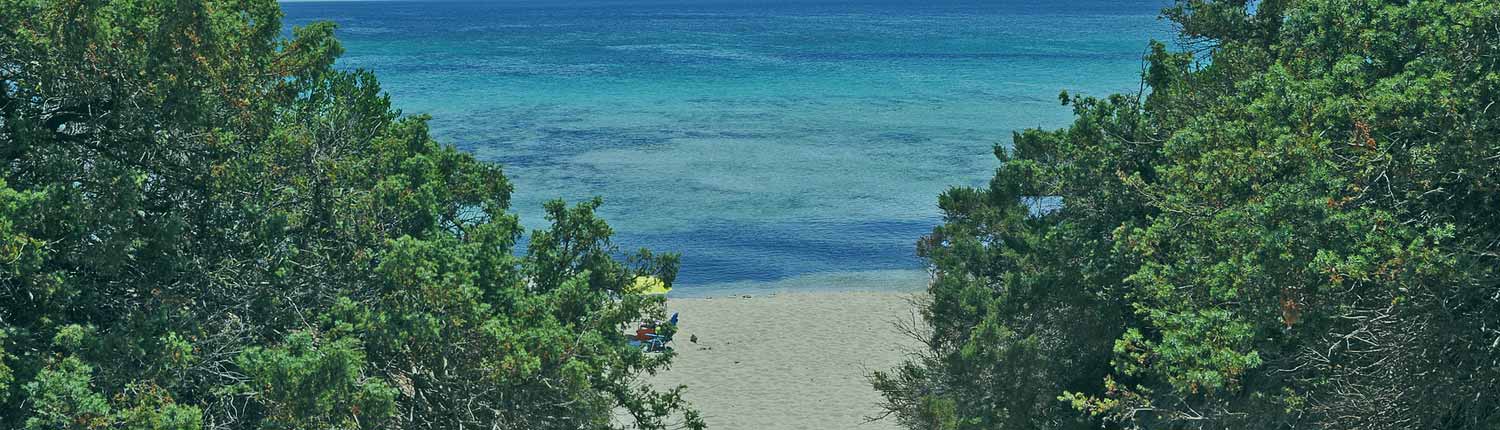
[871, 281]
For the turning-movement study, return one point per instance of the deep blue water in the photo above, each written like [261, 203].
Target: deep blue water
[780, 143]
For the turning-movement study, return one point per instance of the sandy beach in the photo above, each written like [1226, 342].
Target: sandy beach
[788, 360]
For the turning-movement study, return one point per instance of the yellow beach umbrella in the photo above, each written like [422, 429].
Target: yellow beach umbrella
[649, 285]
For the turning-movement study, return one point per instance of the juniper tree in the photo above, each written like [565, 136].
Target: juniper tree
[1294, 224]
[203, 224]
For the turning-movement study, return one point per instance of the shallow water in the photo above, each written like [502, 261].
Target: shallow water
[775, 144]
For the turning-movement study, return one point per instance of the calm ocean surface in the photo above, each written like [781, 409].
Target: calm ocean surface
[774, 143]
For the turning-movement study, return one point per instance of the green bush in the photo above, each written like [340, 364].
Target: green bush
[204, 225]
[1293, 225]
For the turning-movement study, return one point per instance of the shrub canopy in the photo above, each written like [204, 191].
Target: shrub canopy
[1296, 223]
[203, 224]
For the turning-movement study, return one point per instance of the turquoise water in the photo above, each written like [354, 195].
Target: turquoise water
[775, 144]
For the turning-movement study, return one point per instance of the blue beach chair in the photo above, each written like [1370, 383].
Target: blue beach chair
[658, 342]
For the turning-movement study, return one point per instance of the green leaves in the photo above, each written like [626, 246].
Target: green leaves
[204, 225]
[1284, 233]
[310, 384]
[63, 398]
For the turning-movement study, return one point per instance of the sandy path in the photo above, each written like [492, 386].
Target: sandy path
[787, 361]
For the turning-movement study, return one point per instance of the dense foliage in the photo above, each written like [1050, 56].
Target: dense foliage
[204, 225]
[1295, 224]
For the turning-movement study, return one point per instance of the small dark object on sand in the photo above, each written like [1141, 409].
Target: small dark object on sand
[693, 338]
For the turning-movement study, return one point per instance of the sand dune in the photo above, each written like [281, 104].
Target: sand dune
[789, 360]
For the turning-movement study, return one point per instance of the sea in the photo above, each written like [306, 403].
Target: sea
[778, 145]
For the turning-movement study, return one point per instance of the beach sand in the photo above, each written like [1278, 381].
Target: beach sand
[788, 360]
